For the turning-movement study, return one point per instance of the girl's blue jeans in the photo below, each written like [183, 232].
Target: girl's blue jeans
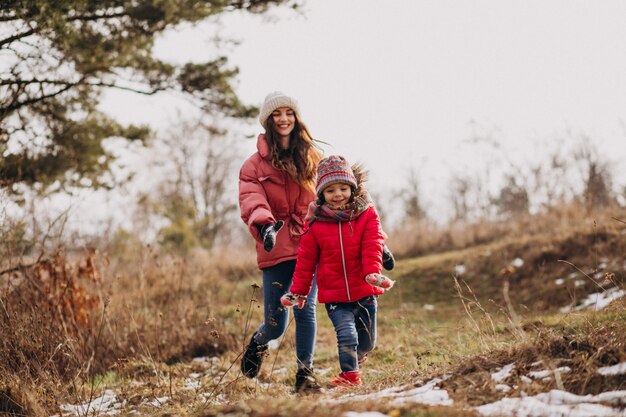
[355, 325]
[276, 282]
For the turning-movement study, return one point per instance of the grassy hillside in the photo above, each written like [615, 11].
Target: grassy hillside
[164, 336]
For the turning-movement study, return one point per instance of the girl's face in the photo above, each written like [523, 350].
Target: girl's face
[284, 119]
[337, 195]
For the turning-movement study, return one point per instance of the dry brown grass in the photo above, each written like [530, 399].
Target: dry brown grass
[581, 342]
[67, 319]
[75, 325]
[414, 238]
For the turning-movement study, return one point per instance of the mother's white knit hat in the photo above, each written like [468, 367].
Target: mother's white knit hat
[275, 100]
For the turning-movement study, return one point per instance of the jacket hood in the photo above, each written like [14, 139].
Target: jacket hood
[361, 176]
[262, 147]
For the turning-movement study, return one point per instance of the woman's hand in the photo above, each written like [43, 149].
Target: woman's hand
[290, 299]
[269, 232]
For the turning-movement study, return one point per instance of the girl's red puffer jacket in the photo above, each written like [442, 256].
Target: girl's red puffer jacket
[267, 195]
[344, 253]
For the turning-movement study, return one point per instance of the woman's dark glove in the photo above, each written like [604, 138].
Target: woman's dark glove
[388, 260]
[268, 234]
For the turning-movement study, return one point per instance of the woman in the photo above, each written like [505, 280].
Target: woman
[276, 184]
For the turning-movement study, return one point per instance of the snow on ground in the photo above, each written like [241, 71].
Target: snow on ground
[618, 369]
[365, 414]
[517, 262]
[158, 402]
[503, 388]
[428, 393]
[106, 404]
[558, 404]
[503, 373]
[597, 300]
[546, 374]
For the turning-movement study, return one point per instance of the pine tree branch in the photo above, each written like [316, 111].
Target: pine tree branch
[93, 17]
[67, 85]
[14, 106]
[10, 39]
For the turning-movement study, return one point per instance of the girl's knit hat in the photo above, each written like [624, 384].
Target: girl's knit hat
[275, 100]
[332, 170]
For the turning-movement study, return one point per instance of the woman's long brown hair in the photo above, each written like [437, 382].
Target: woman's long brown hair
[300, 159]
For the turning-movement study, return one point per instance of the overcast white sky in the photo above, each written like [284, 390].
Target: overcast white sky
[403, 83]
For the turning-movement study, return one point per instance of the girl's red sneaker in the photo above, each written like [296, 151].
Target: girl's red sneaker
[347, 379]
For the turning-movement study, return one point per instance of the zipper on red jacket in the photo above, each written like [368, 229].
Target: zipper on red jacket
[343, 262]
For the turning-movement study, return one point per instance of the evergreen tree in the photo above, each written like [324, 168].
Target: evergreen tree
[57, 57]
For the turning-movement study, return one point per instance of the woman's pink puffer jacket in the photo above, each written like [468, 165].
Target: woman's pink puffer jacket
[267, 195]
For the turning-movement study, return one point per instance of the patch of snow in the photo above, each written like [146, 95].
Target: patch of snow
[525, 379]
[195, 375]
[192, 384]
[572, 275]
[429, 307]
[213, 360]
[219, 399]
[559, 281]
[547, 373]
[596, 300]
[365, 414]
[324, 371]
[618, 369]
[264, 385]
[517, 262]
[503, 387]
[558, 404]
[106, 404]
[602, 265]
[503, 373]
[158, 402]
[280, 371]
[598, 275]
[460, 269]
[579, 283]
[429, 393]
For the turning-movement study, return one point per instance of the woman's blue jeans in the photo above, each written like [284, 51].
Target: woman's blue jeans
[276, 282]
[355, 325]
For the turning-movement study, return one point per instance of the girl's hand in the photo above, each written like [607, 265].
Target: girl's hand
[378, 280]
[290, 299]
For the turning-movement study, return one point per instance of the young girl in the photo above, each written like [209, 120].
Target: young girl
[344, 243]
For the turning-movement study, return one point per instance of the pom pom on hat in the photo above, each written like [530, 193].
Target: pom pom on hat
[332, 170]
[275, 100]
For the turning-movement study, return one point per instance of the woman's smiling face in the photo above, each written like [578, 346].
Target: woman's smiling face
[284, 119]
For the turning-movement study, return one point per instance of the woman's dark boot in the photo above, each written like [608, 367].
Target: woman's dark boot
[253, 358]
[306, 382]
